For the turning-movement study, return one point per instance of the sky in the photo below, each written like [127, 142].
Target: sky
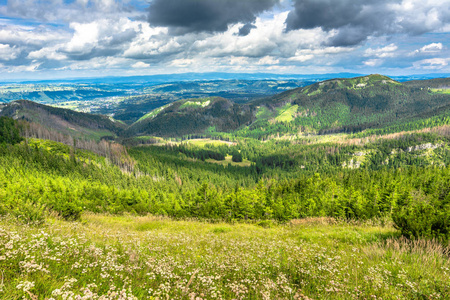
[93, 38]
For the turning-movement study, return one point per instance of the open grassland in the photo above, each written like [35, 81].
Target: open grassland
[287, 113]
[126, 257]
[441, 91]
[201, 142]
[204, 142]
[228, 160]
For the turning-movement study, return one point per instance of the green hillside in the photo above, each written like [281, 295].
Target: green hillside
[350, 105]
[192, 116]
[366, 105]
[346, 105]
[64, 121]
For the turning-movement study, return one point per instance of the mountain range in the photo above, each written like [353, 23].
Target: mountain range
[332, 106]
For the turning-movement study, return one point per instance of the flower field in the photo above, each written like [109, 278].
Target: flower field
[128, 257]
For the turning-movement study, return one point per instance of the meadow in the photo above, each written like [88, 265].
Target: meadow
[147, 257]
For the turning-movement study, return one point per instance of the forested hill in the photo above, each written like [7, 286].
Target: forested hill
[373, 103]
[332, 106]
[63, 121]
[193, 116]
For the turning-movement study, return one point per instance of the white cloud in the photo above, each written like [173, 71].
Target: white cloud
[140, 65]
[382, 52]
[373, 62]
[432, 63]
[303, 55]
[80, 11]
[420, 16]
[268, 60]
[33, 67]
[183, 62]
[430, 48]
[7, 52]
[47, 53]
[85, 37]
[34, 36]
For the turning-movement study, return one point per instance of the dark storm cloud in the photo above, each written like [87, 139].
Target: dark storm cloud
[355, 20]
[184, 16]
[92, 53]
[245, 30]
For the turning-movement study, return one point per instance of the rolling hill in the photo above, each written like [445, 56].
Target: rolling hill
[332, 106]
[193, 116]
[346, 105]
[63, 121]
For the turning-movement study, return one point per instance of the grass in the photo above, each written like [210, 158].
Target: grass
[204, 142]
[286, 113]
[202, 102]
[153, 113]
[441, 91]
[228, 160]
[127, 257]
[195, 142]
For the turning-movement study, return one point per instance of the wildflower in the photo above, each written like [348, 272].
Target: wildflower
[25, 286]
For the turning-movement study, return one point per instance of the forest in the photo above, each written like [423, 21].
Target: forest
[303, 195]
[403, 179]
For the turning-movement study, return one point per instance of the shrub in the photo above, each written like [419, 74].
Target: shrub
[418, 215]
[9, 132]
[237, 157]
[70, 211]
[29, 213]
[266, 223]
[221, 229]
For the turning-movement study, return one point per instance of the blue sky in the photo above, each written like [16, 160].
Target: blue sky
[79, 38]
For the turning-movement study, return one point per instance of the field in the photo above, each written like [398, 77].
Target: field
[286, 113]
[228, 160]
[441, 91]
[127, 257]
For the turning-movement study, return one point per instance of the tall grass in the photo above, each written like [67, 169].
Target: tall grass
[126, 257]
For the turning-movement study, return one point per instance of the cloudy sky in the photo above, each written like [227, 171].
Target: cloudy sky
[73, 38]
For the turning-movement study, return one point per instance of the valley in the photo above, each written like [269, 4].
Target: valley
[333, 190]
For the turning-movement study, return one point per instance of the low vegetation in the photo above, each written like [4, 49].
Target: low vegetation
[255, 201]
[125, 257]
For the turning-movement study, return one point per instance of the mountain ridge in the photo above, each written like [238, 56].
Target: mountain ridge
[330, 106]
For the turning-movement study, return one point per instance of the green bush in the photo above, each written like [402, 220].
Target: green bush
[418, 215]
[221, 229]
[29, 213]
[70, 211]
[266, 223]
[237, 157]
[9, 132]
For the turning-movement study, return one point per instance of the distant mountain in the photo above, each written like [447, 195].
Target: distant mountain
[353, 104]
[64, 121]
[178, 77]
[348, 105]
[331, 106]
[193, 116]
[429, 83]
[166, 78]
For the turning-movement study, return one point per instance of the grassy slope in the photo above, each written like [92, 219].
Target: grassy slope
[149, 257]
[348, 105]
[337, 105]
[65, 121]
[186, 117]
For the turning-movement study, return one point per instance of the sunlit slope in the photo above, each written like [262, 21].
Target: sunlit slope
[346, 105]
[64, 121]
[193, 116]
